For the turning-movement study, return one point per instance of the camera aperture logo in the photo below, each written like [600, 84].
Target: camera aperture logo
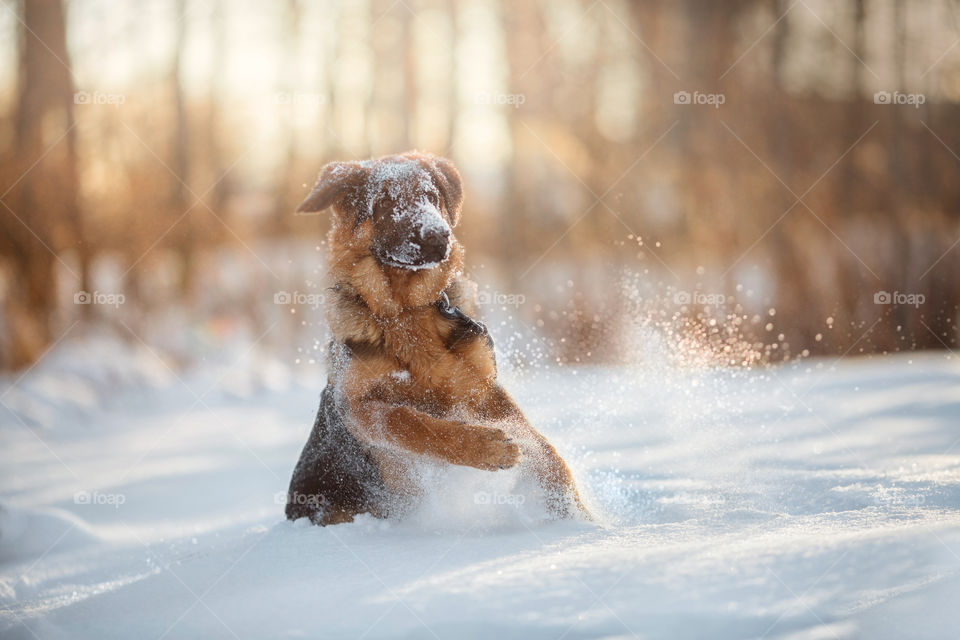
[711, 99]
[911, 299]
[911, 99]
[312, 300]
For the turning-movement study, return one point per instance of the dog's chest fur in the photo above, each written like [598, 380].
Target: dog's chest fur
[449, 364]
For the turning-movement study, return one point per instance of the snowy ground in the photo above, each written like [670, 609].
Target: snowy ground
[804, 503]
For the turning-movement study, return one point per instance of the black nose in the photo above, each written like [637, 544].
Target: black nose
[434, 245]
[435, 237]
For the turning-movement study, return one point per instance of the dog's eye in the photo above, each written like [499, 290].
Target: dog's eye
[434, 199]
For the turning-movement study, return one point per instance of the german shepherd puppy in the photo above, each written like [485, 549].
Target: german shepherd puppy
[411, 372]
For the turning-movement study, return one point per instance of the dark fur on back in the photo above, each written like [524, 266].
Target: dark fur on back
[334, 475]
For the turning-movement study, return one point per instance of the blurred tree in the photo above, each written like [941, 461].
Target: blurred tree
[180, 199]
[45, 216]
[291, 95]
[216, 92]
[596, 81]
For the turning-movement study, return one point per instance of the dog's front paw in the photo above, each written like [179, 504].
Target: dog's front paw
[490, 449]
[567, 506]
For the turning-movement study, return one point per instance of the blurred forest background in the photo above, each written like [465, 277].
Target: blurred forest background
[777, 165]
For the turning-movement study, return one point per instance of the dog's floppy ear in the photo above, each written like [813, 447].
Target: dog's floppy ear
[447, 179]
[336, 181]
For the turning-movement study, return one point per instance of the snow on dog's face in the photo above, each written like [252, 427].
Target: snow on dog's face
[412, 201]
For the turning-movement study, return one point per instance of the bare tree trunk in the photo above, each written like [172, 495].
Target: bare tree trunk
[180, 200]
[900, 183]
[409, 62]
[283, 206]
[523, 24]
[334, 145]
[781, 32]
[388, 119]
[215, 109]
[851, 282]
[453, 91]
[45, 199]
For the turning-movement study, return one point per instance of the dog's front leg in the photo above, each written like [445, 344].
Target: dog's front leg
[541, 459]
[382, 424]
[381, 415]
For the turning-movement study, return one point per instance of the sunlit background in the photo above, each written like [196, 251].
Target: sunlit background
[779, 177]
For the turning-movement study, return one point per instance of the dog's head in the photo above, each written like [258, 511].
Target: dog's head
[412, 201]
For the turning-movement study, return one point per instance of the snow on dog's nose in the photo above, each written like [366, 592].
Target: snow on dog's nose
[434, 233]
[418, 237]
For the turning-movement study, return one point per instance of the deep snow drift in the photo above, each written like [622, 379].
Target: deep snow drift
[808, 502]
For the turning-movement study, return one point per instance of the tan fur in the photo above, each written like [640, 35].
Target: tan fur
[411, 390]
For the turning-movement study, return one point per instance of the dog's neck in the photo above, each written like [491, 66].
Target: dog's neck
[389, 291]
[380, 310]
